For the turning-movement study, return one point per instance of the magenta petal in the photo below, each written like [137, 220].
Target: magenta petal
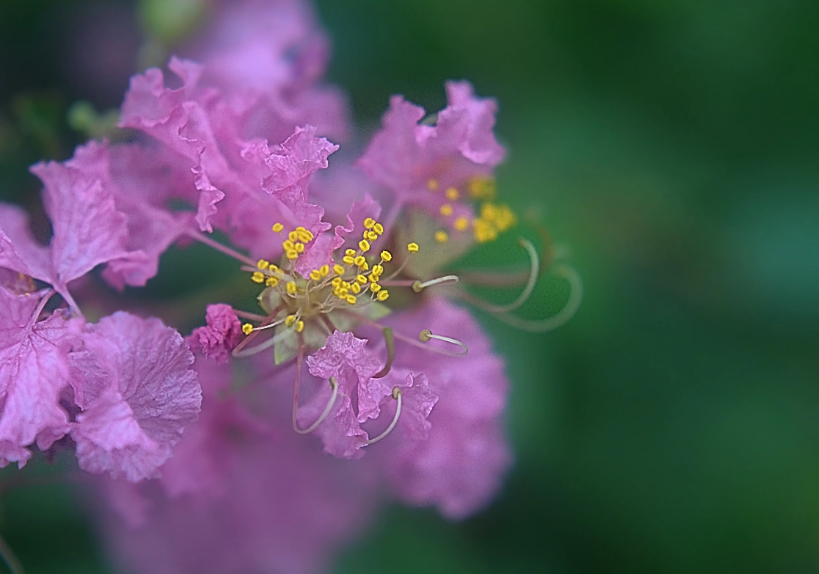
[135, 384]
[33, 372]
[346, 358]
[18, 249]
[88, 228]
[221, 335]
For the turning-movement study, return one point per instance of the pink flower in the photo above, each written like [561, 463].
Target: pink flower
[33, 372]
[435, 167]
[243, 497]
[221, 335]
[133, 380]
[460, 465]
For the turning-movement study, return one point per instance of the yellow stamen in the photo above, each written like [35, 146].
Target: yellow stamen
[371, 235]
[446, 210]
[299, 326]
[361, 279]
[350, 252]
[412, 248]
[375, 287]
[247, 328]
[441, 236]
[263, 264]
[324, 270]
[383, 295]
[432, 184]
[452, 194]
[292, 254]
[288, 245]
[290, 320]
[272, 281]
[293, 236]
[315, 275]
[386, 255]
[364, 245]
[338, 269]
[378, 228]
[350, 299]
[277, 227]
[257, 277]
[377, 270]
[292, 288]
[461, 223]
[299, 247]
[355, 288]
[360, 261]
[348, 259]
[369, 223]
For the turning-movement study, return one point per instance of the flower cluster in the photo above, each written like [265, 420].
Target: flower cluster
[355, 319]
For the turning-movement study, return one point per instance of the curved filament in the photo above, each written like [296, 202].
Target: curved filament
[555, 321]
[534, 271]
[10, 559]
[419, 286]
[324, 414]
[426, 335]
[240, 352]
[389, 340]
[396, 394]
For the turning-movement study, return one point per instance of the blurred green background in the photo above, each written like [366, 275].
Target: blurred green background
[672, 146]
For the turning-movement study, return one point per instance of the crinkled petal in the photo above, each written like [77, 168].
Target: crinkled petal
[134, 381]
[221, 335]
[33, 372]
[346, 358]
[19, 251]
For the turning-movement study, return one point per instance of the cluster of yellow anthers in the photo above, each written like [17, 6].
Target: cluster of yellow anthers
[494, 218]
[348, 281]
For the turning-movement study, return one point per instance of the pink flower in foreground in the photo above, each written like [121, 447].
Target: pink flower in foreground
[133, 380]
[33, 371]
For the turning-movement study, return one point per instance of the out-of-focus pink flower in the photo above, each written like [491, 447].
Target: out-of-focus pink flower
[435, 167]
[221, 335]
[460, 465]
[33, 371]
[242, 496]
[133, 380]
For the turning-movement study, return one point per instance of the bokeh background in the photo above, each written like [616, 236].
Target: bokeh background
[673, 148]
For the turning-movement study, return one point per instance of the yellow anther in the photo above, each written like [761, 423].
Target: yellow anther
[446, 210]
[355, 288]
[257, 277]
[247, 328]
[412, 248]
[288, 245]
[348, 259]
[350, 252]
[324, 270]
[277, 227]
[432, 184]
[290, 320]
[338, 269]
[461, 223]
[377, 269]
[441, 236]
[299, 247]
[386, 255]
[369, 223]
[336, 281]
[341, 292]
[360, 261]
[364, 266]
[378, 228]
[293, 236]
[350, 299]
[345, 284]
[383, 295]
[452, 194]
[263, 264]
[292, 254]
[370, 235]
[374, 278]
[361, 279]
[482, 187]
[272, 281]
[315, 275]
[489, 211]
[375, 287]
[299, 326]
[292, 288]
[364, 245]
[304, 236]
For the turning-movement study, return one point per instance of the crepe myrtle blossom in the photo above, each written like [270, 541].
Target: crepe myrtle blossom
[122, 389]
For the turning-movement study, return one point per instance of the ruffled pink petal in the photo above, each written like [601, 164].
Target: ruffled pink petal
[346, 358]
[33, 372]
[134, 382]
[19, 251]
[221, 335]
